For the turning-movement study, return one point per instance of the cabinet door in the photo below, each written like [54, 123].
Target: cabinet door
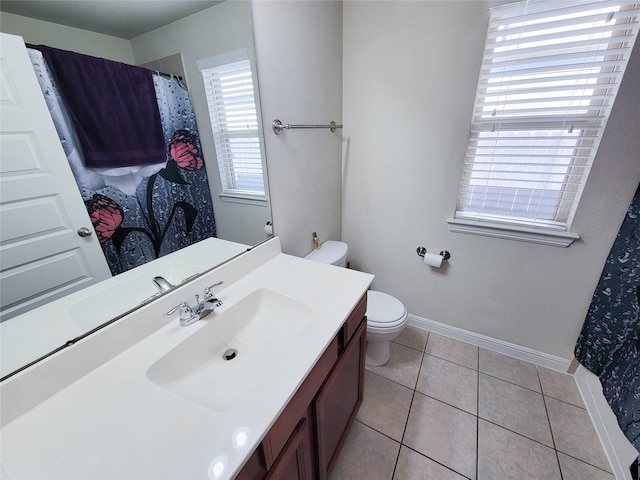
[337, 403]
[295, 461]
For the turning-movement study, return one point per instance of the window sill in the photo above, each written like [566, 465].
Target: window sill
[246, 199]
[513, 232]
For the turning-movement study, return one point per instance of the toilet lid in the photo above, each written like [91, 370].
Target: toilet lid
[331, 252]
[384, 311]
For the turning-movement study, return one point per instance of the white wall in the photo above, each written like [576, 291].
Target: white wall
[220, 29]
[410, 73]
[38, 32]
[299, 50]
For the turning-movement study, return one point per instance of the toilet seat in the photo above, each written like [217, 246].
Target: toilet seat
[384, 311]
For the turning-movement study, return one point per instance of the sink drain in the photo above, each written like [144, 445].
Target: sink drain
[230, 354]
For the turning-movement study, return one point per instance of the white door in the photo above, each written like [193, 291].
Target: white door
[42, 254]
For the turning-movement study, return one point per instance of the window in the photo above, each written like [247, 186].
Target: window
[549, 77]
[228, 82]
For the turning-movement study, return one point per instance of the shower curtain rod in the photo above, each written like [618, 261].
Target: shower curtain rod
[162, 74]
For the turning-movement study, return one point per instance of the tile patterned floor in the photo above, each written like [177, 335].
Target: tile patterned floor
[442, 409]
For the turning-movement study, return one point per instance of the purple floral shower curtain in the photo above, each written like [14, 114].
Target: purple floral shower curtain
[142, 212]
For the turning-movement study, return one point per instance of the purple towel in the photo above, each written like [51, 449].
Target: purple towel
[113, 108]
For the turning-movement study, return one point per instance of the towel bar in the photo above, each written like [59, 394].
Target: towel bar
[278, 126]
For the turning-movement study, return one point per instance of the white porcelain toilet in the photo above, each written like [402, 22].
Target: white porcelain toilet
[386, 315]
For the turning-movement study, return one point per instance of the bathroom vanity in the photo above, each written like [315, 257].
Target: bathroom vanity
[147, 398]
[318, 417]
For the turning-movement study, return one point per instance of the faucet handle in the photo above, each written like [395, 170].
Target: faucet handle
[208, 292]
[187, 315]
[185, 310]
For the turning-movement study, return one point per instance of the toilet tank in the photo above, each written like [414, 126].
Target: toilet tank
[331, 252]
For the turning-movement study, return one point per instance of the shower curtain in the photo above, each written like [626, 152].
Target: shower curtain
[609, 344]
[141, 212]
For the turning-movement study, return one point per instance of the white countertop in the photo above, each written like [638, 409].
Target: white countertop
[114, 422]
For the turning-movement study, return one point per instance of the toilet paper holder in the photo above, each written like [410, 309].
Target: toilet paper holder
[421, 251]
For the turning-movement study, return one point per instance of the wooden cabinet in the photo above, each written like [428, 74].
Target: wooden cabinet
[338, 402]
[305, 440]
[296, 460]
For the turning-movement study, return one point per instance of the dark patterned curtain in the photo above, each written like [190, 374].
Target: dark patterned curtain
[141, 212]
[609, 344]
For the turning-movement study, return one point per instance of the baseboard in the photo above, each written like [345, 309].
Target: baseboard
[619, 451]
[500, 346]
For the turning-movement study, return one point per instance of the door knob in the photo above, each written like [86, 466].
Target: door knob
[84, 232]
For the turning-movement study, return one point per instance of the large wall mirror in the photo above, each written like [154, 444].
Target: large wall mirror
[187, 35]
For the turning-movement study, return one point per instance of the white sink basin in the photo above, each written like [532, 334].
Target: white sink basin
[262, 327]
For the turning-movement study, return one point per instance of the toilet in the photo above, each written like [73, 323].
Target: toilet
[386, 315]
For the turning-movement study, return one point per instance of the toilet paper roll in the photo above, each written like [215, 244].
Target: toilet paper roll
[433, 260]
[268, 229]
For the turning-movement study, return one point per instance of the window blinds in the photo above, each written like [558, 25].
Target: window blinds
[549, 77]
[234, 120]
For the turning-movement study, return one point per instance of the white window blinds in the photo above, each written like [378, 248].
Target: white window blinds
[234, 120]
[549, 77]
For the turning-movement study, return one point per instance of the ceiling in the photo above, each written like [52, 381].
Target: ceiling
[120, 18]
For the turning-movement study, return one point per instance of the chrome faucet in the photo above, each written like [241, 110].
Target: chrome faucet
[162, 284]
[189, 315]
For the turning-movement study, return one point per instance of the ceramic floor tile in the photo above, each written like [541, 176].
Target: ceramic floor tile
[403, 366]
[513, 407]
[504, 455]
[573, 469]
[510, 369]
[561, 386]
[574, 434]
[452, 350]
[528, 411]
[366, 454]
[413, 466]
[385, 406]
[442, 433]
[413, 337]
[449, 382]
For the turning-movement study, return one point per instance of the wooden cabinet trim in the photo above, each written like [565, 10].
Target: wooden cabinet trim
[255, 467]
[354, 319]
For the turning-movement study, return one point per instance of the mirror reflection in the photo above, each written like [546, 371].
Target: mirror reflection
[98, 245]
